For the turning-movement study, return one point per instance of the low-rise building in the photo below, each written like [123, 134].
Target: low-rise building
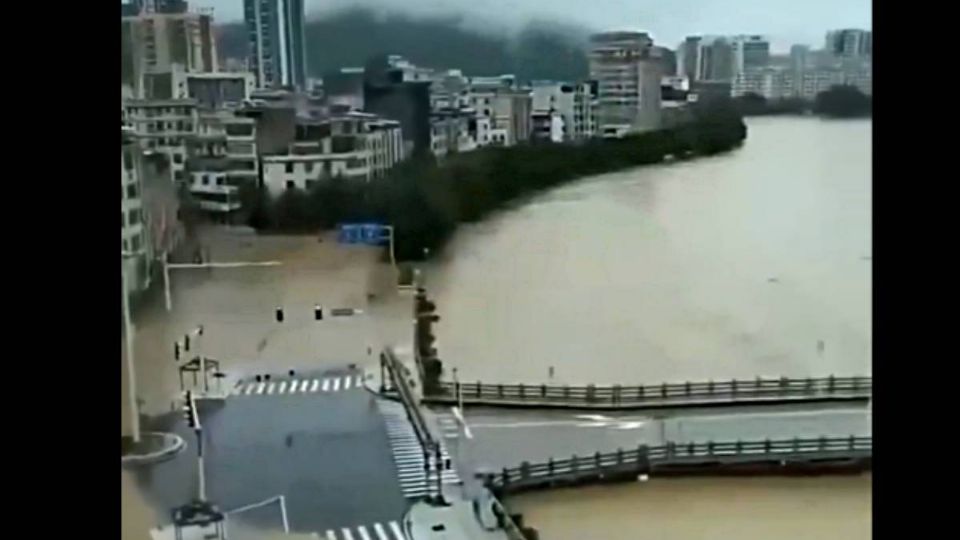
[211, 90]
[547, 126]
[164, 126]
[576, 103]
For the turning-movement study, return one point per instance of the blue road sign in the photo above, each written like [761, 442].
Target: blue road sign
[362, 233]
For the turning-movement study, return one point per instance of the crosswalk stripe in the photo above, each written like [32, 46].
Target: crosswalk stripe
[249, 389]
[346, 383]
[316, 383]
[363, 532]
[270, 387]
[326, 384]
[347, 535]
[260, 387]
[381, 532]
[331, 535]
[282, 388]
[336, 385]
[293, 386]
[396, 531]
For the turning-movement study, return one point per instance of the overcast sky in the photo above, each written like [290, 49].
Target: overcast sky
[784, 21]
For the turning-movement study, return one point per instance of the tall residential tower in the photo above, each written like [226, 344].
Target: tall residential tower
[278, 54]
[628, 72]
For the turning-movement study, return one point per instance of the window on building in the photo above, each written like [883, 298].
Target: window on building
[178, 158]
[327, 167]
[131, 191]
[290, 184]
[123, 219]
[204, 179]
[135, 242]
[289, 168]
[178, 175]
[221, 180]
[132, 217]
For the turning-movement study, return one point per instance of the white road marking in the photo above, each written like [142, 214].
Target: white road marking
[316, 383]
[359, 380]
[249, 389]
[347, 535]
[270, 387]
[326, 384]
[381, 532]
[260, 387]
[346, 383]
[293, 386]
[331, 535]
[396, 531]
[336, 384]
[282, 388]
[363, 532]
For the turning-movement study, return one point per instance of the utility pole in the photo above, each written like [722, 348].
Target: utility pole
[193, 420]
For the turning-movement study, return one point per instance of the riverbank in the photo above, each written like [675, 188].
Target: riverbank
[426, 201]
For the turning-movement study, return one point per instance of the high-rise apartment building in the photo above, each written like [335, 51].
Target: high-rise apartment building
[628, 72]
[278, 53]
[850, 43]
[155, 41]
[750, 52]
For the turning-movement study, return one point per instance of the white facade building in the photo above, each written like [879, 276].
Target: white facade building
[132, 223]
[628, 74]
[547, 126]
[575, 103]
[164, 126]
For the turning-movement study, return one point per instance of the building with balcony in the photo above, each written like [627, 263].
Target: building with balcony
[576, 103]
[547, 126]
[211, 90]
[628, 74]
[210, 188]
[165, 126]
[132, 229]
[155, 41]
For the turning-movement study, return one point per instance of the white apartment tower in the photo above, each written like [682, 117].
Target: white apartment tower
[628, 74]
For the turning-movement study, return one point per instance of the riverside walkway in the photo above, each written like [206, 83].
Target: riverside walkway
[755, 391]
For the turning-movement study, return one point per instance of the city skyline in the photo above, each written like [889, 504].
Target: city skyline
[784, 22]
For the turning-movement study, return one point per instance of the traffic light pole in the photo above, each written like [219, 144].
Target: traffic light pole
[202, 482]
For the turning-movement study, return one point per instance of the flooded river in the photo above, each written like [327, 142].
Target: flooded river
[757, 262]
[825, 508]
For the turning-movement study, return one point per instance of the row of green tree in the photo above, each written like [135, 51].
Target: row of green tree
[840, 101]
[425, 201]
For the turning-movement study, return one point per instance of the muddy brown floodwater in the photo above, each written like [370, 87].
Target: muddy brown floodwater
[761, 508]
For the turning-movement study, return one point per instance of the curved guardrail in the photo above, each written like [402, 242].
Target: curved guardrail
[686, 394]
[672, 457]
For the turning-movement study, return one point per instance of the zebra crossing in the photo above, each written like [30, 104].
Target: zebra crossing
[377, 531]
[449, 427]
[408, 455]
[306, 385]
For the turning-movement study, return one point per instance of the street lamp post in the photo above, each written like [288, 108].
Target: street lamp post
[128, 332]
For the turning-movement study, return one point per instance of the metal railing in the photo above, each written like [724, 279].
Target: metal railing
[758, 389]
[645, 459]
[398, 380]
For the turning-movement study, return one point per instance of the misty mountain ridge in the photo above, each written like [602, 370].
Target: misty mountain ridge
[541, 49]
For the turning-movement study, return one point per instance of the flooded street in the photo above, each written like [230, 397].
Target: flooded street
[731, 266]
[236, 308]
[816, 508]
